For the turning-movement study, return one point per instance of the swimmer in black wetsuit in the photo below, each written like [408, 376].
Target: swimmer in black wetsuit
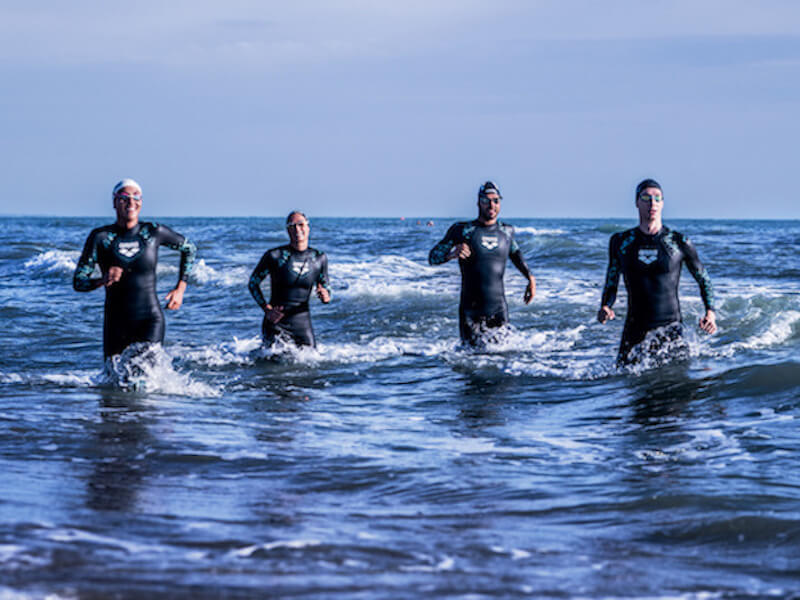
[127, 253]
[650, 258]
[294, 270]
[482, 247]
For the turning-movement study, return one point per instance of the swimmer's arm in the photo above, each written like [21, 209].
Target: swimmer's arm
[446, 249]
[323, 284]
[699, 273]
[254, 285]
[518, 260]
[708, 322]
[187, 248]
[82, 280]
[175, 241]
[612, 282]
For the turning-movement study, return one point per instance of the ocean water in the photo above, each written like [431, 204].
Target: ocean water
[391, 462]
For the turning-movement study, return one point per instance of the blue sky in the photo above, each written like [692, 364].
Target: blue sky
[371, 108]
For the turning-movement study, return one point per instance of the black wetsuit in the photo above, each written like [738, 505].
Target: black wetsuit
[651, 268]
[132, 310]
[483, 299]
[293, 275]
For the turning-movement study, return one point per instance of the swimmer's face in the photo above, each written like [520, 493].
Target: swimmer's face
[128, 204]
[489, 206]
[650, 204]
[298, 229]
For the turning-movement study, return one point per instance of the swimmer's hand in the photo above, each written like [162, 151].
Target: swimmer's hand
[709, 322]
[323, 294]
[112, 276]
[605, 314]
[175, 297]
[460, 251]
[273, 313]
[530, 291]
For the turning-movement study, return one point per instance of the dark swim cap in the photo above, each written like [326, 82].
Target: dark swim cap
[646, 183]
[296, 212]
[489, 187]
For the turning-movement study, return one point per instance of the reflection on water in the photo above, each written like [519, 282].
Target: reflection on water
[120, 442]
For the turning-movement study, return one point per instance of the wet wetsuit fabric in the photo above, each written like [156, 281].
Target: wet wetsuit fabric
[651, 267]
[483, 299]
[293, 275]
[132, 310]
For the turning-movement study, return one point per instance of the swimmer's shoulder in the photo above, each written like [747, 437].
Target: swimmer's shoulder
[462, 230]
[103, 233]
[506, 228]
[622, 239]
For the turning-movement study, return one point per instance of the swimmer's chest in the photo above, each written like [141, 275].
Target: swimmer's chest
[651, 257]
[132, 252]
[489, 243]
[297, 270]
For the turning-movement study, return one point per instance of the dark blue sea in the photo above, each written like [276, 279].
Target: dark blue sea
[391, 462]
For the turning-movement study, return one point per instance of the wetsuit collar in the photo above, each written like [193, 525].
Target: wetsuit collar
[660, 229]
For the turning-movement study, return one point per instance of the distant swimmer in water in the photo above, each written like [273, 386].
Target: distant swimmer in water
[294, 269]
[127, 253]
[650, 258]
[482, 247]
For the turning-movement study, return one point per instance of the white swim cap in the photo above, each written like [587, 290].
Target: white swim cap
[125, 183]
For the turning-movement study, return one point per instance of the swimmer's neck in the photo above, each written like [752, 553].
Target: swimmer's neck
[299, 246]
[650, 227]
[486, 223]
[127, 224]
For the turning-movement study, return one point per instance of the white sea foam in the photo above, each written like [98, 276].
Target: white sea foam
[515, 553]
[205, 274]
[782, 327]
[248, 351]
[376, 350]
[9, 594]
[79, 535]
[556, 353]
[388, 275]
[74, 379]
[53, 261]
[238, 352]
[11, 378]
[248, 551]
[445, 564]
[539, 231]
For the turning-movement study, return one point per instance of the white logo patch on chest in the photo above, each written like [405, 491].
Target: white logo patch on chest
[129, 249]
[490, 243]
[300, 268]
[648, 255]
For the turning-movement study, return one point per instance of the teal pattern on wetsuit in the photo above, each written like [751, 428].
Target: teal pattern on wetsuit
[483, 300]
[651, 268]
[293, 276]
[132, 310]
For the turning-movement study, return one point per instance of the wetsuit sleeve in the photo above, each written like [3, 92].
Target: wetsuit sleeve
[438, 254]
[515, 254]
[698, 271]
[175, 241]
[82, 279]
[322, 279]
[258, 275]
[612, 273]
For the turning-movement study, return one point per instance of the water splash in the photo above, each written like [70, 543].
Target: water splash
[148, 368]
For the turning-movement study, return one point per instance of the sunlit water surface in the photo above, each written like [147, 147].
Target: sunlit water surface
[391, 462]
